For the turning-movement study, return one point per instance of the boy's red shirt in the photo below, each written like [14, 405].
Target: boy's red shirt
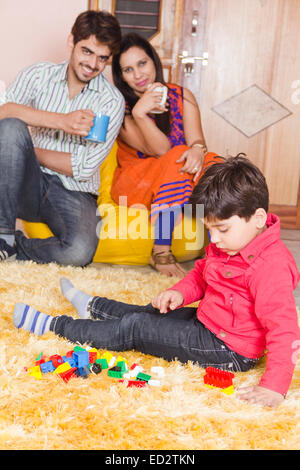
[247, 302]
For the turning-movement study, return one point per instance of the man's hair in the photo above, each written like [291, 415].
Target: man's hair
[101, 24]
[233, 187]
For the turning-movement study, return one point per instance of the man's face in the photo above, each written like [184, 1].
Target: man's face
[88, 58]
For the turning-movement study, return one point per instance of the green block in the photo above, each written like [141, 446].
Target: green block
[142, 376]
[79, 348]
[102, 362]
[123, 366]
[116, 374]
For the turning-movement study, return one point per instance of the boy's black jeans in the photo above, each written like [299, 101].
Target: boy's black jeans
[118, 326]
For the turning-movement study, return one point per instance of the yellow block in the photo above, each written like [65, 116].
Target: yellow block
[35, 372]
[227, 390]
[62, 368]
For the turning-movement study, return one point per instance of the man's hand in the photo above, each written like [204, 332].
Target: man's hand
[77, 122]
[260, 395]
[168, 300]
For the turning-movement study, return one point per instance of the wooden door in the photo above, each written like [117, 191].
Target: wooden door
[249, 92]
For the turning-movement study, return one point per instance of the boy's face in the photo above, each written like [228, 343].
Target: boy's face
[233, 234]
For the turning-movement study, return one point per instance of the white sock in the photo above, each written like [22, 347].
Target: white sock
[78, 298]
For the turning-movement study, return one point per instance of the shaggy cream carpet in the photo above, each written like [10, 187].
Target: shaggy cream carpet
[100, 413]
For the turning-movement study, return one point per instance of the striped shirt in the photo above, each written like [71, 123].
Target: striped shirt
[44, 86]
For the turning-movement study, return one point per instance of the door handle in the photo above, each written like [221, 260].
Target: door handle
[189, 61]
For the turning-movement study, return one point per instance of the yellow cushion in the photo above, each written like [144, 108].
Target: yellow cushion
[126, 235]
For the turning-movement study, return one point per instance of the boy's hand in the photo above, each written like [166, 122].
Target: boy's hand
[260, 395]
[167, 300]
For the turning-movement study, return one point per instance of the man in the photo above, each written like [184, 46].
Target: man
[52, 175]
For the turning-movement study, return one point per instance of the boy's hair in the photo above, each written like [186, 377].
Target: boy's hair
[101, 24]
[233, 187]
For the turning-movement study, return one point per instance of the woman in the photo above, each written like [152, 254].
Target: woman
[161, 148]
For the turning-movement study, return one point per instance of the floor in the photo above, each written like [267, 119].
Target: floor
[291, 239]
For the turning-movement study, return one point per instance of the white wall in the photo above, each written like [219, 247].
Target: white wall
[34, 30]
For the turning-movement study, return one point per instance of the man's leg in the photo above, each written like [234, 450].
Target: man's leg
[72, 217]
[21, 177]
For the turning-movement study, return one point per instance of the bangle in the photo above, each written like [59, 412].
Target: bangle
[202, 146]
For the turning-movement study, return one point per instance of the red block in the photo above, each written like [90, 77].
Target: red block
[70, 353]
[217, 377]
[135, 383]
[92, 357]
[68, 374]
[56, 360]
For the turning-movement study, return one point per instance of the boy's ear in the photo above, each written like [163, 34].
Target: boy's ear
[70, 41]
[260, 217]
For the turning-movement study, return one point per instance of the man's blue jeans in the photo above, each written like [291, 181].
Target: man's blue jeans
[30, 194]
[118, 326]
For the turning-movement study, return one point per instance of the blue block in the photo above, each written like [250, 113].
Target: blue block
[47, 367]
[81, 358]
[70, 360]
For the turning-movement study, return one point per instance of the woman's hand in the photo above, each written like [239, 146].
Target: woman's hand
[148, 101]
[260, 395]
[168, 300]
[193, 159]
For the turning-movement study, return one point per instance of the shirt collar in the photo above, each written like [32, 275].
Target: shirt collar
[258, 244]
[264, 239]
[95, 84]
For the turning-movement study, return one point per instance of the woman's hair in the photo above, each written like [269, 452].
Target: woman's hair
[163, 121]
[233, 187]
[101, 24]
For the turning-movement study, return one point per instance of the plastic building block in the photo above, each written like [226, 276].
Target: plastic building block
[115, 372]
[92, 356]
[122, 365]
[79, 348]
[109, 357]
[68, 374]
[96, 368]
[81, 357]
[40, 361]
[96, 351]
[217, 378]
[56, 360]
[62, 368]
[35, 372]
[70, 353]
[136, 383]
[47, 367]
[154, 383]
[103, 363]
[70, 360]
[142, 376]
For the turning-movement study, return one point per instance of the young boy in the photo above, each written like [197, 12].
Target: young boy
[244, 284]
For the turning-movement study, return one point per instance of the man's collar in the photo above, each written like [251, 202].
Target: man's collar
[94, 84]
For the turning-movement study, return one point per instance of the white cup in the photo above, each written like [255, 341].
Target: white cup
[164, 91]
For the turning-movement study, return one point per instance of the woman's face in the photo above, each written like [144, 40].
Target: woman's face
[138, 69]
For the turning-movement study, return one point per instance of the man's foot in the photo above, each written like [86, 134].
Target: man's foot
[163, 260]
[79, 299]
[31, 320]
[7, 252]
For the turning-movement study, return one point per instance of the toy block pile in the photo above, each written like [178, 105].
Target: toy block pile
[81, 362]
[217, 378]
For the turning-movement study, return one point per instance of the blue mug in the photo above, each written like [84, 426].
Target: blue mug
[98, 131]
